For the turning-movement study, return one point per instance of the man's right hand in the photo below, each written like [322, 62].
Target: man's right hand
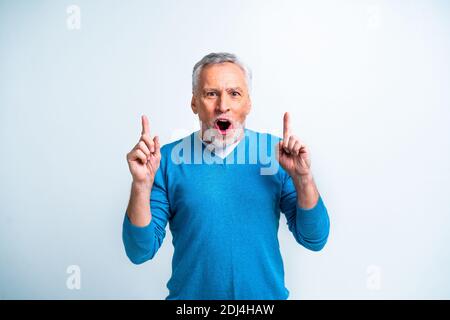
[144, 159]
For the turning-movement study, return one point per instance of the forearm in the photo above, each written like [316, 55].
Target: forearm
[307, 193]
[138, 209]
[312, 223]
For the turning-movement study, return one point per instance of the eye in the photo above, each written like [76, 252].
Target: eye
[211, 94]
[235, 94]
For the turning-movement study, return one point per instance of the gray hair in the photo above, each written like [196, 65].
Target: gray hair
[216, 58]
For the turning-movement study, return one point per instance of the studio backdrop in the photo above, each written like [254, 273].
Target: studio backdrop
[366, 83]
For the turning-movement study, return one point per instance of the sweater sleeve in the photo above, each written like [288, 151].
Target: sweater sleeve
[142, 243]
[310, 227]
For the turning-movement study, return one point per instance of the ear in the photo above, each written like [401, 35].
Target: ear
[249, 106]
[193, 104]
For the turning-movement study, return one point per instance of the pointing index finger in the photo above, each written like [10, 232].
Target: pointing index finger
[286, 125]
[145, 125]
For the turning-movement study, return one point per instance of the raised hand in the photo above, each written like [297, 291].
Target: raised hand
[144, 159]
[293, 155]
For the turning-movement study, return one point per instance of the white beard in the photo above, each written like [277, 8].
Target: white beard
[222, 145]
[212, 136]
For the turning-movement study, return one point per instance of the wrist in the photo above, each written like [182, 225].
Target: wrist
[303, 179]
[307, 194]
[142, 186]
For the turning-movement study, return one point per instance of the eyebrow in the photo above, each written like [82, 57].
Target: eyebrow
[215, 89]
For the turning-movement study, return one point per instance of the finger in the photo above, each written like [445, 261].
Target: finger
[143, 147]
[149, 142]
[296, 148]
[303, 147]
[286, 143]
[286, 125]
[157, 145]
[139, 154]
[292, 141]
[145, 125]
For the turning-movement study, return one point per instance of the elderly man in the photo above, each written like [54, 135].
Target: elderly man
[223, 213]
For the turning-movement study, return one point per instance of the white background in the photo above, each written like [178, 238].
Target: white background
[367, 83]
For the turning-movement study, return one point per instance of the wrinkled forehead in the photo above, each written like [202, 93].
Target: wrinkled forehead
[222, 75]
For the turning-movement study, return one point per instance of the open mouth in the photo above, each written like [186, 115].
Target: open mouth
[223, 125]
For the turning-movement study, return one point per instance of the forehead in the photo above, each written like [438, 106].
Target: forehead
[222, 74]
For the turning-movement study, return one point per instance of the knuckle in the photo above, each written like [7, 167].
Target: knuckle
[142, 146]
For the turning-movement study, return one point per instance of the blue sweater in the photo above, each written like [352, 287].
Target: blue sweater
[224, 216]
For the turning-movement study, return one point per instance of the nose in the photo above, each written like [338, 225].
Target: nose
[223, 104]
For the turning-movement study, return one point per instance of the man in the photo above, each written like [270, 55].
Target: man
[223, 213]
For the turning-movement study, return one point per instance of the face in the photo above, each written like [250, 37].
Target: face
[222, 102]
